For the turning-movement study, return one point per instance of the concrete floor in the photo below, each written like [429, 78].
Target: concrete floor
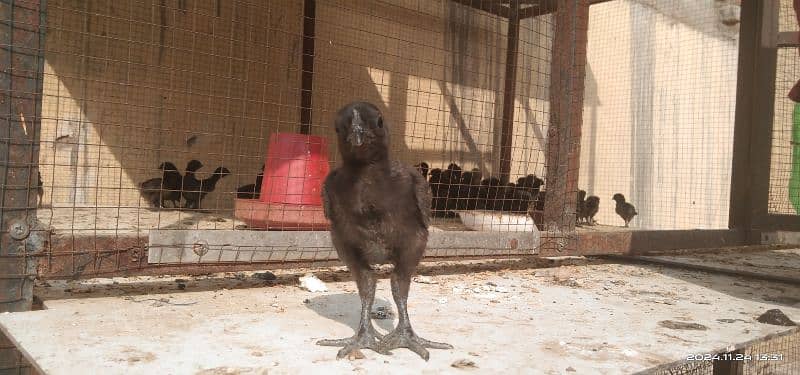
[590, 317]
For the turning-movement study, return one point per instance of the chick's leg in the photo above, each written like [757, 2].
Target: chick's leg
[366, 337]
[403, 335]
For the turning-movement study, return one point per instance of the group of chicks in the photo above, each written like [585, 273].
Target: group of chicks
[172, 186]
[587, 207]
[455, 189]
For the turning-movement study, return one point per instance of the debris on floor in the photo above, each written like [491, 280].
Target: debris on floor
[268, 276]
[464, 363]
[672, 324]
[776, 317]
[312, 284]
[424, 279]
[382, 313]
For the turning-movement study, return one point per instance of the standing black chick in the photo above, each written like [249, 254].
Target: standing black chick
[624, 209]
[157, 191]
[379, 211]
[39, 189]
[207, 185]
[580, 207]
[190, 184]
[590, 208]
[251, 191]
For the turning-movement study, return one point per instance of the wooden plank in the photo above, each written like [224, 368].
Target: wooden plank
[486, 6]
[789, 39]
[568, 73]
[509, 93]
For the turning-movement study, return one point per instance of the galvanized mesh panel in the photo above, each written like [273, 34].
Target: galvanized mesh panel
[134, 91]
[659, 111]
[784, 180]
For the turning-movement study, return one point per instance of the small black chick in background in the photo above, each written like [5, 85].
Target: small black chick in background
[580, 207]
[251, 191]
[423, 168]
[379, 211]
[158, 191]
[190, 183]
[590, 207]
[624, 209]
[194, 199]
[39, 189]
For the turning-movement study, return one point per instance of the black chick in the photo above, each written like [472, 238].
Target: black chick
[580, 207]
[207, 185]
[423, 168]
[39, 189]
[251, 191]
[452, 177]
[624, 209]
[158, 191]
[379, 211]
[590, 208]
[190, 184]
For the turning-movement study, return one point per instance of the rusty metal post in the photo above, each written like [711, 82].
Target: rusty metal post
[509, 92]
[567, 74]
[21, 60]
[755, 101]
[307, 79]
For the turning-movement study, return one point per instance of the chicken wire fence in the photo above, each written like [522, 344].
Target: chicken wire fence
[170, 132]
[776, 354]
[661, 83]
[784, 182]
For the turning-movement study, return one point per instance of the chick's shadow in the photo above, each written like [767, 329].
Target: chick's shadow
[345, 308]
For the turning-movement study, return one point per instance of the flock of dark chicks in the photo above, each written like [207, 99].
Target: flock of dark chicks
[172, 186]
[380, 211]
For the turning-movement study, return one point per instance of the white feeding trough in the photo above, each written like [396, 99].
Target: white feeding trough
[493, 221]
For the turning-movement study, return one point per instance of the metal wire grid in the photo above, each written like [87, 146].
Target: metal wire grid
[775, 355]
[659, 111]
[784, 195]
[130, 85]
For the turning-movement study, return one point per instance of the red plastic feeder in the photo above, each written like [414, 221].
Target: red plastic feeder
[290, 198]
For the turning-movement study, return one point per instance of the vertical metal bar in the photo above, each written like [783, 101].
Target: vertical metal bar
[309, 22]
[509, 92]
[740, 215]
[766, 61]
[21, 63]
[567, 75]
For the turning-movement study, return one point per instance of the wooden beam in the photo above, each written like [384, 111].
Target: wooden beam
[788, 39]
[21, 45]
[567, 76]
[307, 80]
[542, 7]
[486, 6]
[509, 93]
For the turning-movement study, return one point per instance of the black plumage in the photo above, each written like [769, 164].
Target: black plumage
[379, 211]
[157, 191]
[251, 191]
[194, 199]
[591, 206]
[39, 188]
[624, 209]
[190, 184]
[580, 207]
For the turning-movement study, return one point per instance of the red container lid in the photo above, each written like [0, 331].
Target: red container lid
[295, 168]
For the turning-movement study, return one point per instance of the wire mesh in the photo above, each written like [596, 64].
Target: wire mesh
[784, 182]
[166, 115]
[659, 112]
[776, 354]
